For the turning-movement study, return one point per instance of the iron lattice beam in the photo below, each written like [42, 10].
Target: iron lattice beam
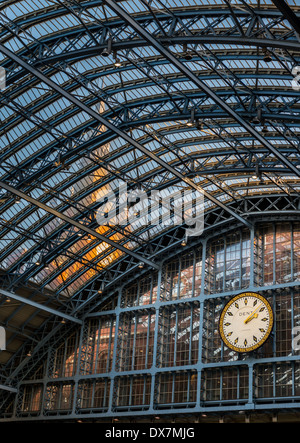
[26, 301]
[199, 83]
[9, 389]
[78, 225]
[171, 23]
[117, 131]
[288, 13]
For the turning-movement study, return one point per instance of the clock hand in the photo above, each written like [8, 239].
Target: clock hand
[253, 315]
[250, 318]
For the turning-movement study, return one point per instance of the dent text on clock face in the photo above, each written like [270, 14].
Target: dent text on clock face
[245, 313]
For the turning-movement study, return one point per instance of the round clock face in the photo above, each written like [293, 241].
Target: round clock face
[246, 322]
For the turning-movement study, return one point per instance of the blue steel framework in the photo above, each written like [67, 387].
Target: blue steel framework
[227, 70]
[154, 348]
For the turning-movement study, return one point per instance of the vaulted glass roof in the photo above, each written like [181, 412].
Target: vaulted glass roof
[201, 92]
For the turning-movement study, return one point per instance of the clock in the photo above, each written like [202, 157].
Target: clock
[246, 322]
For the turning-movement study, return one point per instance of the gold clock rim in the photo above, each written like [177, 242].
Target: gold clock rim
[229, 303]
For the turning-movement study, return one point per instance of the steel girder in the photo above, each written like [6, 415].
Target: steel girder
[199, 83]
[41, 51]
[80, 226]
[9, 389]
[39, 306]
[119, 132]
[158, 102]
[27, 167]
[176, 27]
[288, 13]
[53, 244]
